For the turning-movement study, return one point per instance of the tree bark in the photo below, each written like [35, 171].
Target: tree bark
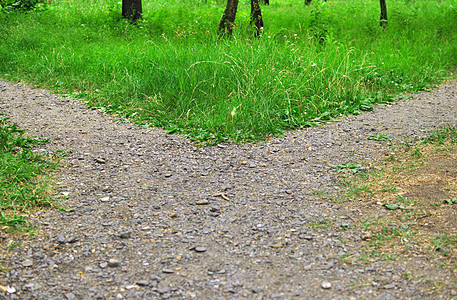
[256, 17]
[228, 18]
[307, 2]
[132, 9]
[383, 19]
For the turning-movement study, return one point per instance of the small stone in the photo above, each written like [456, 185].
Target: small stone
[70, 296]
[326, 285]
[173, 215]
[27, 263]
[61, 239]
[112, 262]
[366, 236]
[104, 199]
[390, 286]
[87, 269]
[168, 271]
[305, 237]
[72, 240]
[277, 246]
[215, 209]
[200, 249]
[202, 202]
[142, 283]
[100, 160]
[168, 175]
[103, 265]
[125, 235]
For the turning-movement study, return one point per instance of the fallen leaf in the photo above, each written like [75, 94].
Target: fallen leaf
[391, 206]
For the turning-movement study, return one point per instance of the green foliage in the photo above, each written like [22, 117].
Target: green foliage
[443, 243]
[380, 137]
[450, 201]
[23, 5]
[170, 70]
[447, 133]
[318, 25]
[21, 183]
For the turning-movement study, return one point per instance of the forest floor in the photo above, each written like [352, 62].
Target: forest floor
[151, 215]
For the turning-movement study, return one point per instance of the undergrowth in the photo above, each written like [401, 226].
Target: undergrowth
[24, 184]
[312, 63]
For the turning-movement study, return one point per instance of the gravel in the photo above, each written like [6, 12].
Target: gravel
[154, 216]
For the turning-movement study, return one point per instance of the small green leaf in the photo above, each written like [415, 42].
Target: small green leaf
[450, 201]
[66, 209]
[391, 206]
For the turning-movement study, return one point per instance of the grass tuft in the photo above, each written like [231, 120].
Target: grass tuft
[23, 184]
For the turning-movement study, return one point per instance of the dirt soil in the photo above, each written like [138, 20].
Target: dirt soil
[156, 217]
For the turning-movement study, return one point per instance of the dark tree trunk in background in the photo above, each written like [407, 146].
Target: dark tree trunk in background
[383, 19]
[228, 18]
[266, 2]
[132, 9]
[256, 17]
[307, 2]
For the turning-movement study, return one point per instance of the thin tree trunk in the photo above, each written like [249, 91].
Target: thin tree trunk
[228, 18]
[256, 17]
[132, 9]
[307, 2]
[383, 19]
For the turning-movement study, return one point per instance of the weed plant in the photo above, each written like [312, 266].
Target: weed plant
[22, 185]
[311, 64]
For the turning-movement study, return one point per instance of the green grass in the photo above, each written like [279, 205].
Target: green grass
[380, 137]
[445, 134]
[23, 184]
[311, 64]
[441, 242]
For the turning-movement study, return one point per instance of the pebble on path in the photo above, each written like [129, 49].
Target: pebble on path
[326, 285]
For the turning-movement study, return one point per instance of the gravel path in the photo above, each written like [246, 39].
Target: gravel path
[157, 217]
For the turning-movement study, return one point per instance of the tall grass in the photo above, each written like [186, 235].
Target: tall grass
[311, 63]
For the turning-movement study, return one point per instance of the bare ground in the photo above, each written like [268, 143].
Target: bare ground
[157, 217]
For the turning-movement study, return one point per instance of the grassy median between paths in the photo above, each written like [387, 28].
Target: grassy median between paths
[310, 64]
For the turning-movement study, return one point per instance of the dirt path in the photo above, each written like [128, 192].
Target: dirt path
[157, 217]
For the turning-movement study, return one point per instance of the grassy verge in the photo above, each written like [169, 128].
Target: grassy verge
[311, 64]
[24, 184]
[408, 201]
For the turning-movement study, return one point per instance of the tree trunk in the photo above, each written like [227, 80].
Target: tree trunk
[228, 18]
[132, 9]
[383, 19]
[256, 17]
[266, 2]
[307, 2]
